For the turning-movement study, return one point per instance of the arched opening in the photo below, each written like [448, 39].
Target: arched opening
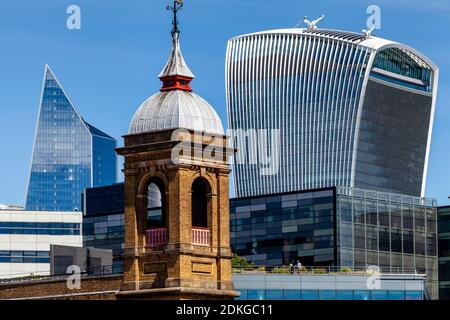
[156, 215]
[156, 233]
[200, 191]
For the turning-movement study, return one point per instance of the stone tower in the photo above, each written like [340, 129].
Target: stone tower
[176, 193]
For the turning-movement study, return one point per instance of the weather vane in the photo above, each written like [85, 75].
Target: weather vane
[177, 6]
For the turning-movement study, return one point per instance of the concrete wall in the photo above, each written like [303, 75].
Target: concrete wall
[90, 260]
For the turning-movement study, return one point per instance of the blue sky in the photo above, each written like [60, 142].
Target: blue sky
[110, 66]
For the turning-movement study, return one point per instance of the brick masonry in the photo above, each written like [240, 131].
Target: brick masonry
[99, 288]
[181, 268]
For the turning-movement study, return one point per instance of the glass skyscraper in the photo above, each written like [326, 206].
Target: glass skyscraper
[69, 154]
[352, 110]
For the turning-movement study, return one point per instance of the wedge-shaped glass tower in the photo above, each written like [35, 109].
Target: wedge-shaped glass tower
[69, 154]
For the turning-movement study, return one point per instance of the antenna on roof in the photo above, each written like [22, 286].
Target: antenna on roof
[312, 25]
[368, 33]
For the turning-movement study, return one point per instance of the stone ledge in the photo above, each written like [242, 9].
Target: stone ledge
[19, 283]
[178, 291]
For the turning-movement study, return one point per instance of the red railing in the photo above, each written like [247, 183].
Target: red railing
[201, 236]
[156, 237]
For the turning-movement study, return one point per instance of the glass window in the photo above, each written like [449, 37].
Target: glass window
[431, 244]
[360, 258]
[372, 238]
[396, 216]
[384, 240]
[256, 294]
[345, 210]
[359, 211]
[274, 295]
[327, 294]
[396, 262]
[384, 214]
[243, 295]
[408, 218]
[361, 295]
[379, 295]
[310, 295]
[396, 295]
[346, 231]
[360, 237]
[431, 220]
[413, 295]
[396, 240]
[420, 219]
[291, 294]
[344, 294]
[289, 214]
[408, 241]
[384, 261]
[371, 212]
[420, 243]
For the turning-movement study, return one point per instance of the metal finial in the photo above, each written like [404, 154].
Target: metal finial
[177, 6]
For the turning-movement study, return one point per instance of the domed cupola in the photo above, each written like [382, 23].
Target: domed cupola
[176, 106]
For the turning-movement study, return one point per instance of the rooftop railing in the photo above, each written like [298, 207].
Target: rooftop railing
[305, 270]
[385, 196]
[317, 270]
[46, 276]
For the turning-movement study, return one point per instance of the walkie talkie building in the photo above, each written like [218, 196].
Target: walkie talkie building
[352, 110]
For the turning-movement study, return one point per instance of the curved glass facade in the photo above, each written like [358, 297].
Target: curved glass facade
[69, 154]
[392, 141]
[400, 63]
[313, 87]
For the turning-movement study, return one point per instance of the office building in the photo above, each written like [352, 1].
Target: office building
[341, 227]
[334, 285]
[26, 236]
[351, 110]
[444, 252]
[103, 221]
[69, 154]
